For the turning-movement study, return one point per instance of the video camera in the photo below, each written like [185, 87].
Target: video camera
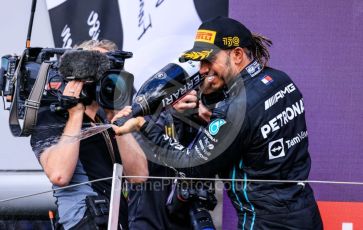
[38, 77]
[196, 200]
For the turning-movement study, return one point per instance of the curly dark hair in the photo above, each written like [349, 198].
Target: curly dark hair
[260, 50]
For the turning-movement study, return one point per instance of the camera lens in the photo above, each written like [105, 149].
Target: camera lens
[113, 87]
[114, 92]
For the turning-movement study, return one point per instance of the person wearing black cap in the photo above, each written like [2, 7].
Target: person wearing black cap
[257, 130]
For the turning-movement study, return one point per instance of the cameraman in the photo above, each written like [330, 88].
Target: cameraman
[67, 161]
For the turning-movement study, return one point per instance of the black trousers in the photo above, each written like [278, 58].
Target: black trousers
[307, 218]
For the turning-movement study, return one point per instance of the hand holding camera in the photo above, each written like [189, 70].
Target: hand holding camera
[73, 89]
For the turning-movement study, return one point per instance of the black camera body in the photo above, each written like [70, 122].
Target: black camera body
[21, 72]
[105, 79]
[195, 200]
[7, 71]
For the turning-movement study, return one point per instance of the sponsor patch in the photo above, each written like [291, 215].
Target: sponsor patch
[254, 68]
[279, 95]
[297, 139]
[276, 149]
[205, 36]
[267, 80]
[208, 144]
[215, 126]
[210, 136]
[283, 118]
[172, 142]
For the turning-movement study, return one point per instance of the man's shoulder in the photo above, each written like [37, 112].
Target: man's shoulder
[265, 85]
[273, 77]
[48, 128]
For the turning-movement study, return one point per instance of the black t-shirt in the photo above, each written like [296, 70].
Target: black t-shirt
[94, 156]
[147, 202]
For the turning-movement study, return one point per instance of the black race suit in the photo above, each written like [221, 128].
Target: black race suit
[257, 132]
[147, 201]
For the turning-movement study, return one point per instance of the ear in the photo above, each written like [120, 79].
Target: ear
[239, 55]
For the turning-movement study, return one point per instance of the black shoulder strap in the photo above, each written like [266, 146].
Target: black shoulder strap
[31, 105]
[108, 141]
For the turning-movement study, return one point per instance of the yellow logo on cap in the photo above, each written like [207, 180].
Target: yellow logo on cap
[205, 36]
[230, 41]
[198, 55]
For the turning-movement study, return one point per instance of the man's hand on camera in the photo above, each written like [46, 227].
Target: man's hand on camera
[189, 101]
[133, 124]
[73, 89]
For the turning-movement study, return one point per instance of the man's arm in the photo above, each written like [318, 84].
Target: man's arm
[59, 161]
[133, 159]
[204, 154]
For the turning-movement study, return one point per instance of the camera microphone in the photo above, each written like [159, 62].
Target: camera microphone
[87, 65]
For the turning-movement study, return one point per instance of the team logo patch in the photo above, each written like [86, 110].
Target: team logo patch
[276, 149]
[267, 80]
[215, 126]
[207, 36]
